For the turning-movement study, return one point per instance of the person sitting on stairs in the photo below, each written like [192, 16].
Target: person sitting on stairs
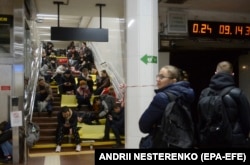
[83, 95]
[67, 123]
[44, 96]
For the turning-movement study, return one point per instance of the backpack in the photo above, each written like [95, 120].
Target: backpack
[177, 127]
[33, 134]
[214, 126]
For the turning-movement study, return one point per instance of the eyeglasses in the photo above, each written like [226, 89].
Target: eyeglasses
[160, 76]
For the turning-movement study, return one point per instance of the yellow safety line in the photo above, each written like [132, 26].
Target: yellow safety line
[62, 153]
[96, 143]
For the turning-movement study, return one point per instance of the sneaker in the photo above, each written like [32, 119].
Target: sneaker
[58, 148]
[105, 138]
[117, 145]
[8, 158]
[78, 147]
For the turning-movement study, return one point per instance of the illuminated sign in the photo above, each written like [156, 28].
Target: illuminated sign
[6, 19]
[218, 29]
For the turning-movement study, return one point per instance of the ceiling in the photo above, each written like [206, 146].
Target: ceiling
[74, 13]
[79, 13]
[234, 6]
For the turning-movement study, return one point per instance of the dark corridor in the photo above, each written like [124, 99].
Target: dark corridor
[201, 65]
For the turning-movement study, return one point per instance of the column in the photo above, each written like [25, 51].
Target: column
[142, 63]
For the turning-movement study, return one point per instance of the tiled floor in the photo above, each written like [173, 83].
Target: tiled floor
[63, 158]
[67, 157]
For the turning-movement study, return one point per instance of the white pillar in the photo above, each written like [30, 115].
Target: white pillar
[141, 41]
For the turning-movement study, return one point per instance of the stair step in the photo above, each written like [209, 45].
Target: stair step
[56, 102]
[57, 106]
[66, 148]
[87, 143]
[44, 119]
[51, 138]
[47, 132]
[46, 141]
[50, 147]
[45, 114]
[56, 99]
[47, 125]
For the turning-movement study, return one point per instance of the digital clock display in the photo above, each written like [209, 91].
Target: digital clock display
[218, 29]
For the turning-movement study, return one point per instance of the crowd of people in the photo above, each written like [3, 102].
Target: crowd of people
[74, 77]
[170, 79]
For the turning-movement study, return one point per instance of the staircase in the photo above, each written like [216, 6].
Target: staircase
[48, 126]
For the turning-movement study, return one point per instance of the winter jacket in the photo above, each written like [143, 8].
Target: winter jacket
[154, 112]
[238, 108]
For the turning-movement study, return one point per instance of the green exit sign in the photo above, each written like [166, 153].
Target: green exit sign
[149, 59]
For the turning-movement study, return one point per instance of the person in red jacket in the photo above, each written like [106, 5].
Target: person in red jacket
[110, 91]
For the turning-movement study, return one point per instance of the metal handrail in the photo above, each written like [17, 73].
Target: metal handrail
[31, 87]
[115, 78]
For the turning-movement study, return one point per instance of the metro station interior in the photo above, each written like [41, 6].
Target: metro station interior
[189, 34]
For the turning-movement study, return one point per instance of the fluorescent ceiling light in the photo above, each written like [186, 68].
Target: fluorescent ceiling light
[44, 34]
[46, 15]
[43, 27]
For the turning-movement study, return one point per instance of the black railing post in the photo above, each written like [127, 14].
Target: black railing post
[58, 11]
[100, 6]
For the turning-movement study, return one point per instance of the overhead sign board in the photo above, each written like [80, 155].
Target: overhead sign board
[79, 34]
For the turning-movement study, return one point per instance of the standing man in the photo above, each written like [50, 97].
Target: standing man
[67, 124]
[236, 107]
